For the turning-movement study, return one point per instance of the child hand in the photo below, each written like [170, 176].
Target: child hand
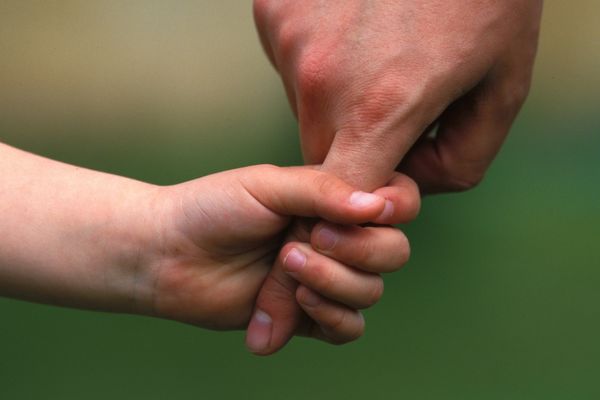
[197, 252]
[342, 264]
[218, 237]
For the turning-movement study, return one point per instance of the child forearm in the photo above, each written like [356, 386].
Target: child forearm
[71, 236]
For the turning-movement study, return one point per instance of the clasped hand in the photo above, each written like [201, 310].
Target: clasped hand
[199, 252]
[221, 235]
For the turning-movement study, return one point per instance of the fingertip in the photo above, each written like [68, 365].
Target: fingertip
[324, 237]
[277, 313]
[402, 205]
[387, 215]
[294, 261]
[258, 335]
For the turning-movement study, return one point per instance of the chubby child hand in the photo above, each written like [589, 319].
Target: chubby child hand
[219, 236]
[199, 252]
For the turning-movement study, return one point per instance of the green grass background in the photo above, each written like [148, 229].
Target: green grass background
[500, 300]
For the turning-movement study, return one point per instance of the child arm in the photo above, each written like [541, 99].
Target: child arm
[70, 236]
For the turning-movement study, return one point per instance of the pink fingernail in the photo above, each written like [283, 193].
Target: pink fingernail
[363, 199]
[326, 239]
[259, 332]
[388, 211]
[294, 261]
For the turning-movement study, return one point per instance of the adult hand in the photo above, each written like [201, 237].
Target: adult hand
[369, 80]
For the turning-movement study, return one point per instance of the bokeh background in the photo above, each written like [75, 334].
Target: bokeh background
[500, 301]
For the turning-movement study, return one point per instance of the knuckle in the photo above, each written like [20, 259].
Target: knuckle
[314, 74]
[287, 41]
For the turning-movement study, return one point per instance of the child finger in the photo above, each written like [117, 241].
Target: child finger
[372, 249]
[277, 314]
[338, 282]
[333, 322]
[307, 192]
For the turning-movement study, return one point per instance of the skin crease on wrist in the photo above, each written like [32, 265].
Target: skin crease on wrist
[369, 81]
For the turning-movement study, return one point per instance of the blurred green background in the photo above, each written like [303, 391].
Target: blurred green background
[500, 301]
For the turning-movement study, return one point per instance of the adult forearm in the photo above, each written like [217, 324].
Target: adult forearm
[68, 235]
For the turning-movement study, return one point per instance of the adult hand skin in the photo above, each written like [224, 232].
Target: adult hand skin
[368, 80]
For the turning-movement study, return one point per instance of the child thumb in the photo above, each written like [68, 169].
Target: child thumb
[277, 314]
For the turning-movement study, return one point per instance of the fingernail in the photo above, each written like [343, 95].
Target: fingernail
[311, 299]
[388, 210]
[294, 261]
[326, 239]
[363, 199]
[259, 332]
